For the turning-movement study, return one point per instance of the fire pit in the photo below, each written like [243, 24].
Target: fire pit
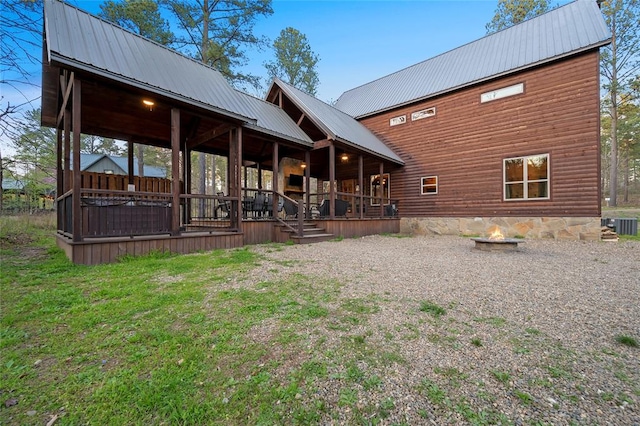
[497, 242]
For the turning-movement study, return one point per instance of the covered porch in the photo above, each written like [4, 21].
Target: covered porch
[311, 184]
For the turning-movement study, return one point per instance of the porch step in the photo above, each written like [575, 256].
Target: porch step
[312, 238]
[311, 233]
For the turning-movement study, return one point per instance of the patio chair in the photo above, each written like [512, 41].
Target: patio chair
[290, 208]
[390, 210]
[259, 204]
[269, 206]
[224, 206]
[341, 208]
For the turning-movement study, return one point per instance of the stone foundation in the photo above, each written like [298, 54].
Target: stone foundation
[561, 228]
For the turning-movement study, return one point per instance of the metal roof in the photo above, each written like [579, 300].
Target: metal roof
[78, 39]
[272, 119]
[573, 28]
[336, 124]
[88, 160]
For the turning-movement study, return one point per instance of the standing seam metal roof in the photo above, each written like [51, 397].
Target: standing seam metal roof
[337, 124]
[81, 40]
[575, 27]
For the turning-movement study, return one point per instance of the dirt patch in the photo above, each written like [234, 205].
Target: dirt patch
[11, 240]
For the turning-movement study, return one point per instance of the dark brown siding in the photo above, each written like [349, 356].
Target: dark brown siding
[466, 142]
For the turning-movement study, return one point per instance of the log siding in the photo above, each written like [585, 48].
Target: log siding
[465, 142]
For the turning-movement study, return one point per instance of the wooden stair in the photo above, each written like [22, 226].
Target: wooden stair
[311, 233]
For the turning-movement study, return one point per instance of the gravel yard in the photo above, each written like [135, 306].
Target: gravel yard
[437, 332]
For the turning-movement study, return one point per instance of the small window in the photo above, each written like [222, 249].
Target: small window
[429, 185]
[503, 92]
[395, 121]
[526, 178]
[425, 113]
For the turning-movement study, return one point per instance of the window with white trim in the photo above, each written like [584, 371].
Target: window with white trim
[429, 185]
[526, 178]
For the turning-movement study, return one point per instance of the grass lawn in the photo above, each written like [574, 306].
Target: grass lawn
[206, 339]
[150, 340]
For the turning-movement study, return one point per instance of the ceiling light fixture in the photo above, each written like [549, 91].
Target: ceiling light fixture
[344, 157]
[149, 104]
[304, 166]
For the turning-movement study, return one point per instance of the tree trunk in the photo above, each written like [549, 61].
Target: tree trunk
[613, 93]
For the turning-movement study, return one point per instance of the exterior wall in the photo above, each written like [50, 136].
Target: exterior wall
[562, 228]
[465, 143]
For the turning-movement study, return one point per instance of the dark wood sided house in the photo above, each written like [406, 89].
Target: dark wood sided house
[503, 131]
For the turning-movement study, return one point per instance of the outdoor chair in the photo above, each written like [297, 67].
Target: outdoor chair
[390, 210]
[290, 208]
[224, 206]
[341, 208]
[259, 205]
[269, 207]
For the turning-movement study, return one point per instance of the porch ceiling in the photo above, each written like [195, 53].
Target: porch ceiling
[114, 110]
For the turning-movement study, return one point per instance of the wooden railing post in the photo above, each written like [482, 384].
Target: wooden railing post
[300, 218]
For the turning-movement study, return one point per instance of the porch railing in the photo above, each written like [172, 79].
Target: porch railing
[122, 213]
[107, 213]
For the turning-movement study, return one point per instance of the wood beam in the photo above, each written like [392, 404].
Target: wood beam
[175, 171]
[300, 119]
[239, 137]
[59, 170]
[130, 161]
[274, 178]
[381, 189]
[66, 87]
[361, 184]
[67, 151]
[324, 143]
[307, 180]
[208, 135]
[77, 176]
[332, 179]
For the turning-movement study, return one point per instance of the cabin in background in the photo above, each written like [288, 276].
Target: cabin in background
[503, 131]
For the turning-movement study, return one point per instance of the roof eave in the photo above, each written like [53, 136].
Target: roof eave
[307, 144]
[310, 115]
[485, 79]
[62, 60]
[397, 161]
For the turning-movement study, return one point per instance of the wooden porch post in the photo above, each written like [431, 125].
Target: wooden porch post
[187, 179]
[77, 177]
[67, 151]
[231, 179]
[307, 182]
[59, 170]
[274, 178]
[381, 190]
[332, 179]
[361, 185]
[175, 171]
[235, 164]
[130, 162]
[239, 177]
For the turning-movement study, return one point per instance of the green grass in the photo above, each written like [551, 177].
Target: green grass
[432, 309]
[623, 339]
